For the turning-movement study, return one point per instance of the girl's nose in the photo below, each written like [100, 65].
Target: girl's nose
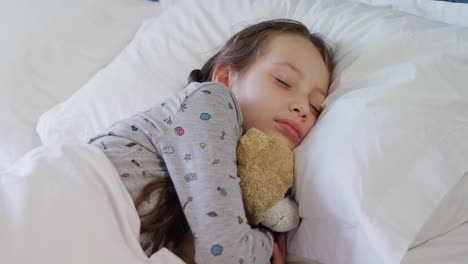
[301, 109]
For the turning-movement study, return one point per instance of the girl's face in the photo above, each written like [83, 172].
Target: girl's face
[281, 92]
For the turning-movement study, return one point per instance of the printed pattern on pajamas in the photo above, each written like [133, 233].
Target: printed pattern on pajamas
[192, 138]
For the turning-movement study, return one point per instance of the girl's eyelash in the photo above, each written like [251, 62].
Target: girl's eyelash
[282, 82]
[315, 109]
[287, 85]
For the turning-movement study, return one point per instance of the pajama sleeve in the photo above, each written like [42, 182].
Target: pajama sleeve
[199, 149]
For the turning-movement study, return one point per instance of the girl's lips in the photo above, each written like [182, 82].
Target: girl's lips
[290, 129]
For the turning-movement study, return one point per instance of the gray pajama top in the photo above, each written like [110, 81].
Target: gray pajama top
[192, 138]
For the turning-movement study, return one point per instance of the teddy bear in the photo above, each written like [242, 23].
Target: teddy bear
[265, 167]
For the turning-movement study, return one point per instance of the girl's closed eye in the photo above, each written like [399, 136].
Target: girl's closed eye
[314, 109]
[282, 83]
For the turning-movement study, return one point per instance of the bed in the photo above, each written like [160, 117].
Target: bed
[382, 178]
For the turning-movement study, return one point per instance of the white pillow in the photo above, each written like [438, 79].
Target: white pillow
[154, 65]
[450, 214]
[165, 4]
[390, 148]
[51, 49]
[385, 152]
[447, 12]
[383, 3]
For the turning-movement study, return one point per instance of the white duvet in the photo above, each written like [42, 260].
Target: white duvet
[66, 204]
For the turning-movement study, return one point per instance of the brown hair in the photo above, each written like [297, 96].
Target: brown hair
[166, 223]
[242, 48]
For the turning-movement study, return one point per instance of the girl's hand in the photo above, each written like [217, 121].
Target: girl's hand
[281, 239]
[277, 257]
[280, 249]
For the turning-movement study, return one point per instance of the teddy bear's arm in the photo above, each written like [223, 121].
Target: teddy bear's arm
[282, 217]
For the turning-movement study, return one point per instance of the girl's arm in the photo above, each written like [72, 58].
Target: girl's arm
[199, 149]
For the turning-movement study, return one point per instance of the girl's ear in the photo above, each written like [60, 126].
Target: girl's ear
[222, 74]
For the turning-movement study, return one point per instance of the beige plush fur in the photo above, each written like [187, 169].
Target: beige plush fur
[265, 167]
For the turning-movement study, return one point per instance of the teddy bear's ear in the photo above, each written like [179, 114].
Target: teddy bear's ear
[252, 142]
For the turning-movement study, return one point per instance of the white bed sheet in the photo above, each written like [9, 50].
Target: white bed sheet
[451, 248]
[48, 50]
[66, 204]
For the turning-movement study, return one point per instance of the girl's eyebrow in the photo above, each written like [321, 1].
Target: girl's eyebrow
[291, 66]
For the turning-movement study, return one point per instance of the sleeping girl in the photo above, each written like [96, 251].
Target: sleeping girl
[178, 159]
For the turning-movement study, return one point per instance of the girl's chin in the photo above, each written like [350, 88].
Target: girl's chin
[291, 145]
